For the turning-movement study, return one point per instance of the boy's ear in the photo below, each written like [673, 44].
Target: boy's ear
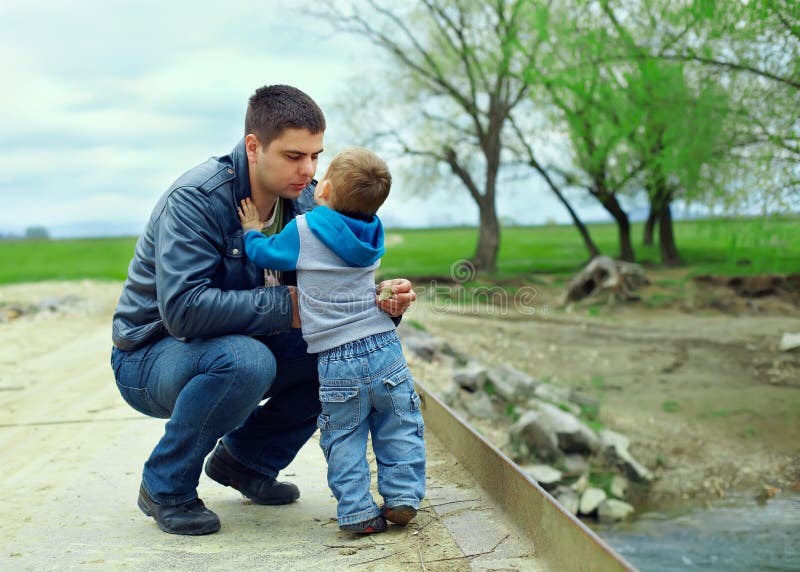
[323, 190]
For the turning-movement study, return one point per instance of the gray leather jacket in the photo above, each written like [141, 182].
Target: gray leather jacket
[189, 277]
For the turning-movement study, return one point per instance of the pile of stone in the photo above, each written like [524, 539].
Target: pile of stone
[11, 311]
[590, 473]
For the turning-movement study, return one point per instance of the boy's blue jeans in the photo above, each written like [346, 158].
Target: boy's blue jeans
[208, 388]
[366, 387]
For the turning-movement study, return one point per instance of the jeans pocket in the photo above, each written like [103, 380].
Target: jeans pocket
[140, 400]
[400, 388]
[340, 407]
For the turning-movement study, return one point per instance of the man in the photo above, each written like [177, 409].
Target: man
[199, 339]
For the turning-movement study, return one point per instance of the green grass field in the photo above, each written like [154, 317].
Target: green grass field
[718, 246]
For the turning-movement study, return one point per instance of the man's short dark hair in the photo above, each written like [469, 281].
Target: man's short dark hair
[274, 108]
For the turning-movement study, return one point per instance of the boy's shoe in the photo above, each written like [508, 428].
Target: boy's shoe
[223, 468]
[399, 514]
[191, 518]
[371, 526]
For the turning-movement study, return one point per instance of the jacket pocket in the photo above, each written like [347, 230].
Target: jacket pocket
[234, 245]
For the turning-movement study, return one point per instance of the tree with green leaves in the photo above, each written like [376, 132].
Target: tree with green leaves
[740, 62]
[637, 122]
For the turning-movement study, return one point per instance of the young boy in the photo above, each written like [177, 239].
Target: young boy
[365, 384]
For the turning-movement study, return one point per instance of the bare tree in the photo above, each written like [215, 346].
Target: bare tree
[461, 65]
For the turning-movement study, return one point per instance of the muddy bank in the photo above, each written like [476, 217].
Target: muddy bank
[698, 383]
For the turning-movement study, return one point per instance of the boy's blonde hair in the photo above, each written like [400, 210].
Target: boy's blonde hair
[360, 181]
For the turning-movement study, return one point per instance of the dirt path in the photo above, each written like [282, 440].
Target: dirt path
[72, 453]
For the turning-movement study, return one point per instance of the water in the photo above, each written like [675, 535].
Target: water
[737, 533]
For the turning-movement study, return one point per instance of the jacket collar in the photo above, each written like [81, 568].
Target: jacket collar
[241, 180]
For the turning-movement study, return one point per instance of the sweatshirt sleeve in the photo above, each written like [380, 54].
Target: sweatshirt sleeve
[277, 252]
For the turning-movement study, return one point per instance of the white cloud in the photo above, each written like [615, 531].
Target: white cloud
[106, 103]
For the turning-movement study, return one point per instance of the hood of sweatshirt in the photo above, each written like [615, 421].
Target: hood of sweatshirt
[357, 242]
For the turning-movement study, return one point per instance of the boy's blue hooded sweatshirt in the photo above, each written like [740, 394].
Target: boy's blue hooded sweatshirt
[335, 257]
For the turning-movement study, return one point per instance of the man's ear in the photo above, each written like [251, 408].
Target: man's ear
[251, 144]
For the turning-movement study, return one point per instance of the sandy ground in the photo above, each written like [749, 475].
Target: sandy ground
[709, 402]
[72, 453]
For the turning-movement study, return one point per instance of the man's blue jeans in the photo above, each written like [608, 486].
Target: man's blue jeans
[210, 388]
[366, 387]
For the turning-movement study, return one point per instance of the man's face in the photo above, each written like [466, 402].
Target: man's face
[287, 165]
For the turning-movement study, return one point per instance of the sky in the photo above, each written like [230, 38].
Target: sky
[106, 103]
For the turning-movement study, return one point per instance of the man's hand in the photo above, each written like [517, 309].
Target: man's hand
[248, 215]
[295, 307]
[402, 296]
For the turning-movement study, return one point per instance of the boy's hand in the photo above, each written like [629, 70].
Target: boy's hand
[402, 296]
[248, 215]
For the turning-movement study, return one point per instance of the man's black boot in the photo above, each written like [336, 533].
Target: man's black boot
[260, 489]
[188, 518]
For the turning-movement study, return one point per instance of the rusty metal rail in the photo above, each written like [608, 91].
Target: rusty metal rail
[562, 541]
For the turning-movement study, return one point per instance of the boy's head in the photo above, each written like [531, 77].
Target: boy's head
[357, 181]
[274, 108]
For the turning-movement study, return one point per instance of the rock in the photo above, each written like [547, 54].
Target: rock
[766, 492]
[545, 475]
[12, 313]
[502, 389]
[615, 450]
[419, 342]
[619, 486]
[569, 408]
[568, 499]
[460, 358]
[538, 440]
[583, 399]
[573, 436]
[471, 376]
[552, 393]
[609, 438]
[510, 382]
[56, 303]
[591, 499]
[612, 510]
[575, 465]
[480, 405]
[451, 395]
[789, 342]
[445, 361]
[581, 484]
[547, 431]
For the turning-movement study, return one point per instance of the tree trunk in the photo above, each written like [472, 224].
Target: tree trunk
[623, 227]
[587, 240]
[584, 232]
[485, 259]
[666, 236]
[649, 226]
[625, 244]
